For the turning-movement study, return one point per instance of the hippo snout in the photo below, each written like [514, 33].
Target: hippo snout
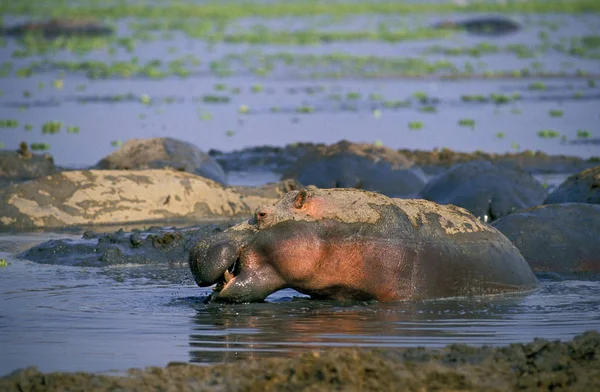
[210, 258]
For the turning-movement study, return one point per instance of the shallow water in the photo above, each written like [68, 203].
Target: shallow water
[111, 319]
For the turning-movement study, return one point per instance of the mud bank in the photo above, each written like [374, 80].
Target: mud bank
[539, 365]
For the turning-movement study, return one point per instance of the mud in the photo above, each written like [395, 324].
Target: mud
[487, 190]
[539, 365]
[160, 153]
[583, 187]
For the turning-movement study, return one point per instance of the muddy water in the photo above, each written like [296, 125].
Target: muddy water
[110, 319]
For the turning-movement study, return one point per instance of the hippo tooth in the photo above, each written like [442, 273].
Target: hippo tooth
[228, 276]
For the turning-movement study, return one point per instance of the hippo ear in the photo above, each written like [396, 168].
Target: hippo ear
[300, 198]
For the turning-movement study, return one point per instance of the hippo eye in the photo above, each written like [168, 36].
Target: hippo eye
[300, 198]
[261, 214]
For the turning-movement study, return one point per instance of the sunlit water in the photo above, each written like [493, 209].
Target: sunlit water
[111, 319]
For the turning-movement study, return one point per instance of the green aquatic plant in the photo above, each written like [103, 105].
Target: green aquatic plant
[500, 135]
[548, 134]
[230, 133]
[555, 113]
[244, 109]
[396, 104]
[72, 129]
[39, 146]
[305, 109]
[583, 133]
[58, 84]
[353, 95]
[275, 109]
[421, 96]
[28, 127]
[145, 99]
[537, 86]
[378, 143]
[9, 123]
[216, 99]
[428, 109]
[52, 127]
[257, 88]
[220, 87]
[467, 122]
[415, 125]
[377, 113]
[515, 146]
[206, 116]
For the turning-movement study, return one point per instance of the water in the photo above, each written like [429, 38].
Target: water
[111, 319]
[178, 110]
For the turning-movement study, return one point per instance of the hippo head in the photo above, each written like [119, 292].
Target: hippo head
[271, 251]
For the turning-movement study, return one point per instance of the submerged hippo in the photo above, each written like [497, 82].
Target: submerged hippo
[355, 244]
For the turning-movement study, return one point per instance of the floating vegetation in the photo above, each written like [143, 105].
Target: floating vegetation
[515, 146]
[305, 109]
[555, 113]
[537, 86]
[58, 84]
[244, 109]
[9, 123]
[72, 129]
[206, 116]
[378, 143]
[467, 122]
[1, 145]
[52, 127]
[375, 97]
[275, 109]
[397, 104]
[28, 127]
[500, 135]
[377, 113]
[473, 98]
[257, 88]
[216, 99]
[220, 87]
[353, 95]
[40, 146]
[230, 133]
[420, 96]
[548, 134]
[428, 109]
[415, 125]
[116, 143]
[583, 133]
[145, 99]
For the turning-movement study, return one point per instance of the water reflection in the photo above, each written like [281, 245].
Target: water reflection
[288, 326]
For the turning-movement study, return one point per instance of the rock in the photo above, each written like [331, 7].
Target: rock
[487, 190]
[158, 153]
[583, 187]
[92, 197]
[538, 365]
[56, 27]
[23, 165]
[556, 237]
[362, 166]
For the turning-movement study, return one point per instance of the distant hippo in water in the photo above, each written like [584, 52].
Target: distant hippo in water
[60, 27]
[355, 244]
[489, 25]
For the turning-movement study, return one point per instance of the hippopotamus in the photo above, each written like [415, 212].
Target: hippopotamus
[351, 244]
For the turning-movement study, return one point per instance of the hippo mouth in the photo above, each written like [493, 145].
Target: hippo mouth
[228, 275]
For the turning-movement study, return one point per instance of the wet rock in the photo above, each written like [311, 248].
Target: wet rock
[488, 25]
[487, 190]
[540, 365]
[158, 153]
[255, 197]
[94, 197]
[23, 165]
[556, 237]
[583, 187]
[362, 166]
[56, 27]
[155, 245]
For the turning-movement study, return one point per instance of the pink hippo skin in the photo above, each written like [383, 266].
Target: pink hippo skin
[354, 244]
